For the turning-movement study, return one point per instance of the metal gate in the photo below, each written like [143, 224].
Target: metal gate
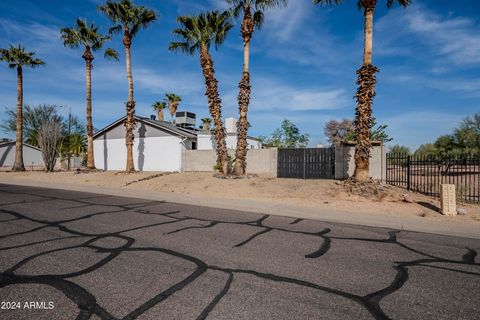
[309, 163]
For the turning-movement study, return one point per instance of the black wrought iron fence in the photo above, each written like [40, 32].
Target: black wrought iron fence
[426, 174]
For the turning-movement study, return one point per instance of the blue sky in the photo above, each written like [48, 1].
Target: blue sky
[303, 64]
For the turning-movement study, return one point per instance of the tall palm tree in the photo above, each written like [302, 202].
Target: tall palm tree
[159, 107]
[88, 37]
[18, 58]
[172, 101]
[130, 18]
[197, 34]
[253, 17]
[366, 87]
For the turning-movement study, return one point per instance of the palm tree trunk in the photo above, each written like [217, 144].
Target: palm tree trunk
[160, 115]
[130, 108]
[244, 97]
[365, 93]
[18, 165]
[88, 65]
[215, 108]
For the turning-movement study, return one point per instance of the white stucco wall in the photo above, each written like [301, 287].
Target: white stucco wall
[32, 158]
[149, 154]
[207, 142]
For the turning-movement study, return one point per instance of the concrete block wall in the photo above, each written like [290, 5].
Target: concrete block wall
[259, 161]
[264, 161]
[345, 162]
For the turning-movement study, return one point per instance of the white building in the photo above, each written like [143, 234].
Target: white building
[157, 146]
[206, 140]
[32, 157]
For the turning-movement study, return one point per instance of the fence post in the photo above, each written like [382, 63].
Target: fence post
[408, 172]
[304, 162]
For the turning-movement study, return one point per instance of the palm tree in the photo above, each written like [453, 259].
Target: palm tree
[197, 34]
[130, 18]
[159, 107]
[172, 101]
[90, 39]
[206, 123]
[253, 17]
[18, 58]
[366, 87]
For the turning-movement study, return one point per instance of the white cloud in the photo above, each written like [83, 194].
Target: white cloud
[268, 94]
[455, 40]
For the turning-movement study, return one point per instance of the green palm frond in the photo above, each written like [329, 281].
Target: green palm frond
[86, 35]
[159, 105]
[111, 54]
[327, 2]
[201, 30]
[127, 16]
[238, 8]
[17, 57]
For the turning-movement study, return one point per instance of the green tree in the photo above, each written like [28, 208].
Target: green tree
[287, 136]
[400, 149]
[377, 133]
[206, 123]
[338, 131]
[426, 150]
[197, 34]
[90, 39]
[252, 18]
[73, 138]
[172, 101]
[445, 144]
[467, 134]
[366, 86]
[33, 118]
[130, 18]
[17, 58]
[159, 107]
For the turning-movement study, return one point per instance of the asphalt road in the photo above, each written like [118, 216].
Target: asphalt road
[72, 255]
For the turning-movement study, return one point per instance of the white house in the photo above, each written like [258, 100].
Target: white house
[32, 157]
[206, 140]
[158, 145]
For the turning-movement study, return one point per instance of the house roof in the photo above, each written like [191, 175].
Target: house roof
[162, 125]
[6, 143]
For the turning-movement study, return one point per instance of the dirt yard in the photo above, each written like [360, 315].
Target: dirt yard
[387, 200]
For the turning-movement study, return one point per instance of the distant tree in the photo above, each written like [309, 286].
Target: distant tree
[377, 132]
[467, 134]
[427, 149]
[49, 141]
[172, 101]
[287, 136]
[337, 131]
[33, 118]
[445, 144]
[74, 139]
[400, 149]
[206, 123]
[159, 107]
[17, 58]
